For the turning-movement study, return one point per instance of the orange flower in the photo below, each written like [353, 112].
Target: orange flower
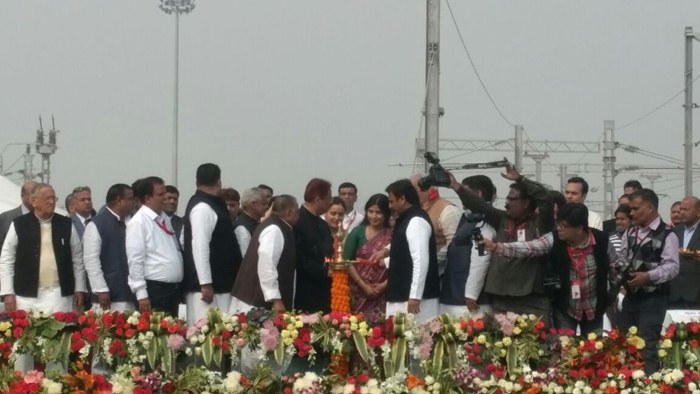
[413, 381]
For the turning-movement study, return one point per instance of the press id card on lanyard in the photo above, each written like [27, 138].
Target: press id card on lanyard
[521, 235]
[577, 266]
[575, 289]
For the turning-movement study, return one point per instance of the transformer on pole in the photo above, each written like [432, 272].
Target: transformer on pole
[46, 149]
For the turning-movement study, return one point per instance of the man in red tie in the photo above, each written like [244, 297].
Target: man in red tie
[153, 251]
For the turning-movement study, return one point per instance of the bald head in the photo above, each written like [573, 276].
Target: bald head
[26, 194]
[690, 210]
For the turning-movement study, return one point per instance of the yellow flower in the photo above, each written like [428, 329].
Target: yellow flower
[507, 341]
[633, 330]
[299, 324]
[353, 319]
[666, 343]
[592, 336]
[481, 339]
[662, 353]
[517, 331]
[290, 327]
[5, 326]
[598, 345]
[636, 342]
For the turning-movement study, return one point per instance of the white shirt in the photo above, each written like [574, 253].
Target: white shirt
[82, 219]
[203, 221]
[352, 220]
[153, 254]
[271, 244]
[479, 266]
[243, 238]
[24, 210]
[418, 234]
[595, 221]
[92, 248]
[688, 233]
[8, 258]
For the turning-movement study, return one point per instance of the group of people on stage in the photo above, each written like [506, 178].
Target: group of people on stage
[414, 251]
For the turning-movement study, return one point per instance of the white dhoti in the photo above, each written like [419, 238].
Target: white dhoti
[197, 309]
[429, 309]
[48, 300]
[119, 306]
[463, 311]
[238, 306]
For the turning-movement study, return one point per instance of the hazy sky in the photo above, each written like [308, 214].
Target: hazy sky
[282, 91]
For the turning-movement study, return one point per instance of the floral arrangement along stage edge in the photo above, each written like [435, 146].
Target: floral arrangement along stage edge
[143, 353]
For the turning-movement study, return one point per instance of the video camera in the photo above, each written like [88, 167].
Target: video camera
[437, 175]
[477, 237]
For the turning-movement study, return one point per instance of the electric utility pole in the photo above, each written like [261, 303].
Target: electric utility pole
[432, 79]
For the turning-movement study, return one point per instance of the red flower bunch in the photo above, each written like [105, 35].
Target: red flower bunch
[303, 342]
[376, 337]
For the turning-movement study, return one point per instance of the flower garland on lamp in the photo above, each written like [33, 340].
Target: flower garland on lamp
[340, 297]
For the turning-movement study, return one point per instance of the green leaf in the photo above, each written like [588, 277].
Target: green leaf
[279, 351]
[438, 354]
[398, 353]
[207, 350]
[512, 359]
[218, 355]
[361, 345]
[388, 367]
[65, 347]
[166, 355]
[152, 353]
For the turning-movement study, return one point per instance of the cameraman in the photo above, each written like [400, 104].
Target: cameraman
[465, 272]
[583, 258]
[515, 284]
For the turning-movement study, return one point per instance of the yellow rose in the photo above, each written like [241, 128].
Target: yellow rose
[666, 343]
[507, 341]
[662, 353]
[633, 330]
[592, 336]
[517, 331]
[481, 339]
[598, 345]
[299, 324]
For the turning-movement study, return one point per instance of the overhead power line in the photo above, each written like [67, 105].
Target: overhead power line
[655, 108]
[476, 72]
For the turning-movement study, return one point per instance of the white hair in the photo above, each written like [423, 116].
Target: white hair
[251, 195]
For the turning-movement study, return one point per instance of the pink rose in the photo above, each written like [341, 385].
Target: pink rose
[33, 377]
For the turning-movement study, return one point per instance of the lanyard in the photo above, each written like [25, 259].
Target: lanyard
[163, 226]
[512, 231]
[578, 264]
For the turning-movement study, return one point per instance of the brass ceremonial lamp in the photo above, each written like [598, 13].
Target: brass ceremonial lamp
[340, 298]
[340, 287]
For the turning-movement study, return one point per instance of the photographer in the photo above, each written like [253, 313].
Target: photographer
[583, 258]
[515, 284]
[467, 264]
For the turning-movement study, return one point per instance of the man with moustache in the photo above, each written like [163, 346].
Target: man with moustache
[153, 252]
[314, 244]
[104, 251]
[685, 292]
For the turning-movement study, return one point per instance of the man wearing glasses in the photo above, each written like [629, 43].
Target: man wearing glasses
[515, 284]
